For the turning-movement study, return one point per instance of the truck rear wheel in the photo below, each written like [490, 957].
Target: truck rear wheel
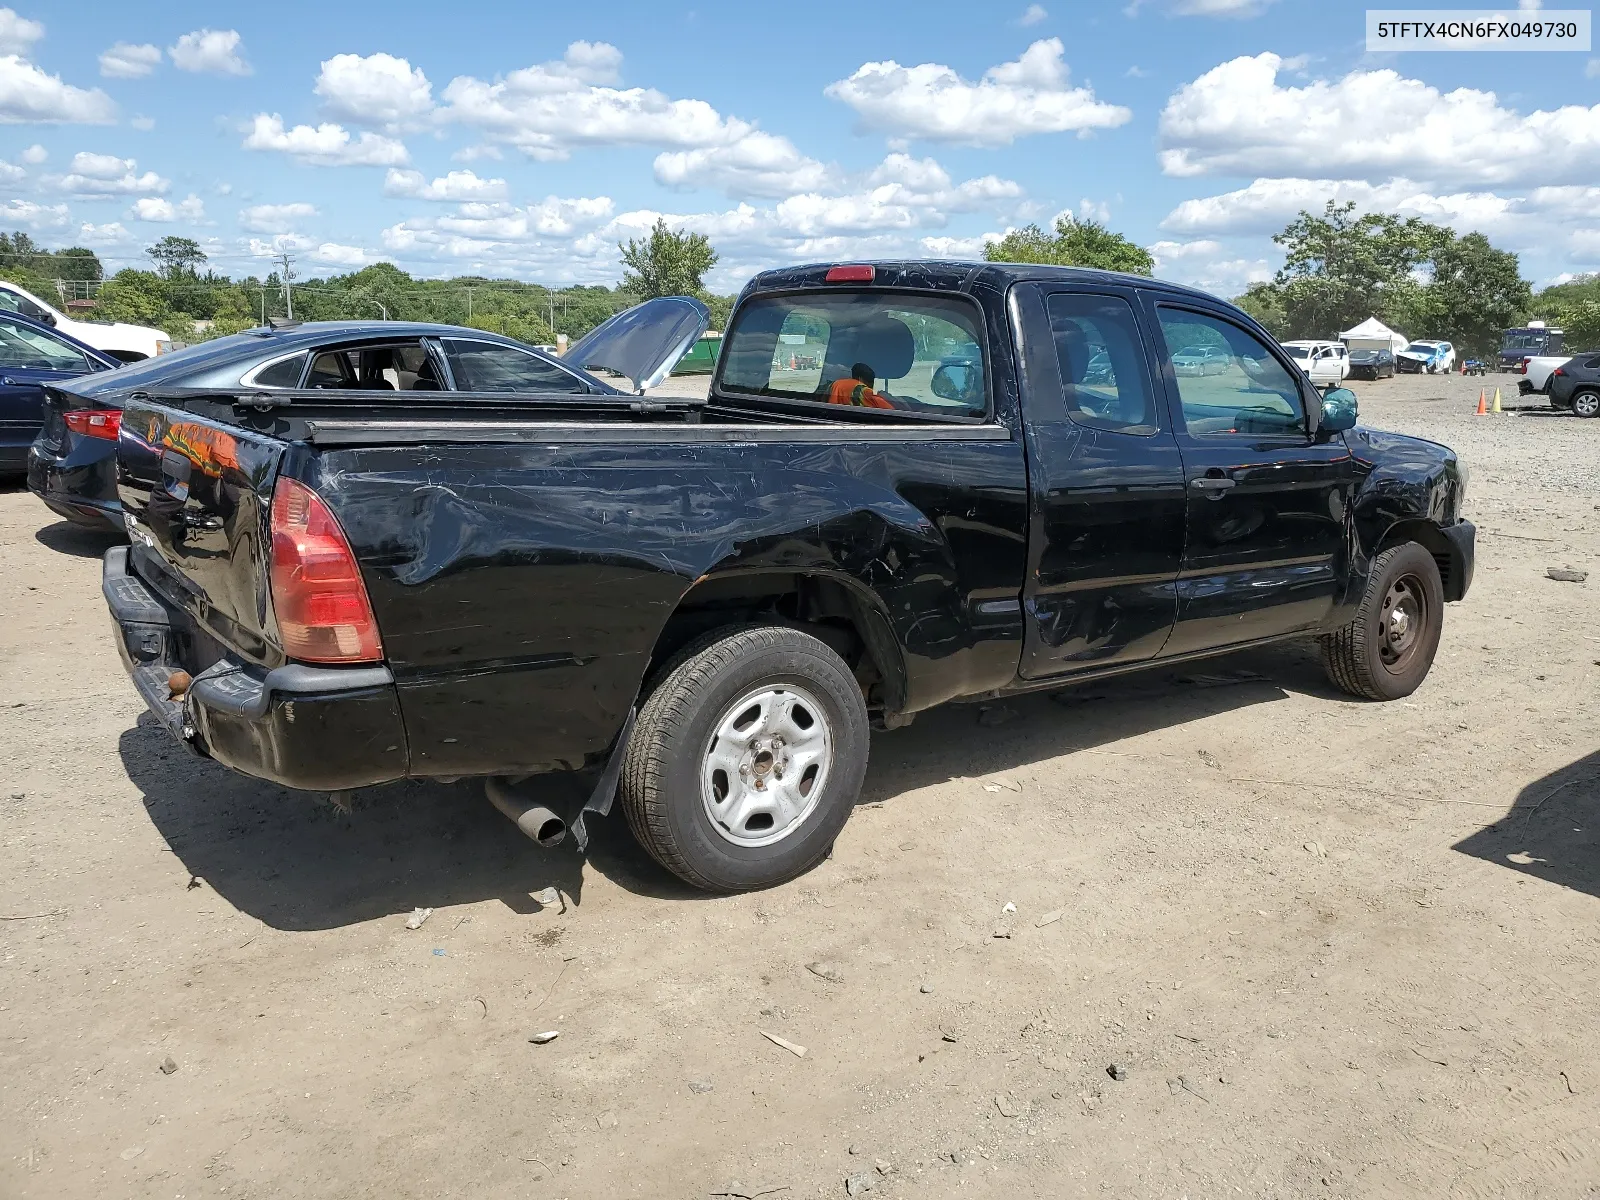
[1384, 653]
[746, 759]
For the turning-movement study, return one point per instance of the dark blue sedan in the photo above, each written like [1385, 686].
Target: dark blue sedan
[32, 357]
[72, 466]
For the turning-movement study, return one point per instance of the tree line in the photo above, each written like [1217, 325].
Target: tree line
[1339, 269]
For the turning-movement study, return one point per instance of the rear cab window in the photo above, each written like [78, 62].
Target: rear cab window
[889, 352]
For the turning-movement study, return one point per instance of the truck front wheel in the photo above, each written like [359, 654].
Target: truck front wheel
[746, 759]
[1384, 653]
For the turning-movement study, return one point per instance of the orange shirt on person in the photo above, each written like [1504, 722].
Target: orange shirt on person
[854, 392]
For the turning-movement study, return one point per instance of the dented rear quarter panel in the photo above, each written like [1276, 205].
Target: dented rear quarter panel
[521, 589]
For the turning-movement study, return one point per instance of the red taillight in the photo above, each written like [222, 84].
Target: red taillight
[1522, 367]
[317, 592]
[857, 274]
[1557, 371]
[95, 422]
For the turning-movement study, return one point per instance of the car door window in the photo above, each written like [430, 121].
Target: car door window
[1104, 379]
[32, 349]
[491, 367]
[1251, 395]
[388, 367]
[21, 304]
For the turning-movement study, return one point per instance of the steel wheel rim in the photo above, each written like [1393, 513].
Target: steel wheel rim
[766, 765]
[1402, 621]
[1587, 404]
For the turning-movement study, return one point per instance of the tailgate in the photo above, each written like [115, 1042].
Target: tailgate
[196, 496]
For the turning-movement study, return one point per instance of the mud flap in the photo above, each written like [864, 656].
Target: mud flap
[605, 791]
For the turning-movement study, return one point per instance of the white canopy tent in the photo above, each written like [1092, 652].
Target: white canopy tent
[1373, 334]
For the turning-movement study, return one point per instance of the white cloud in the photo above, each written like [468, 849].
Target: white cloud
[1208, 265]
[113, 233]
[548, 110]
[35, 216]
[757, 164]
[456, 186]
[378, 91]
[958, 247]
[210, 52]
[326, 145]
[11, 173]
[1012, 100]
[1032, 15]
[338, 255]
[92, 175]
[474, 153]
[154, 208]
[1236, 119]
[293, 243]
[1220, 8]
[18, 34]
[29, 96]
[1591, 69]
[126, 60]
[143, 124]
[274, 218]
[35, 154]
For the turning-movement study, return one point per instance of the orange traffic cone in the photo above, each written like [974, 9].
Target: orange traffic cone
[1495, 407]
[1483, 403]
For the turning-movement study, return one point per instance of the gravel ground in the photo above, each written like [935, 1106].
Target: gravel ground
[1330, 948]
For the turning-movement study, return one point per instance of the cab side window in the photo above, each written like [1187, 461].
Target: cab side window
[492, 367]
[1104, 381]
[1248, 393]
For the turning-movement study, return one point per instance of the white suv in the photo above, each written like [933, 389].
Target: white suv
[1327, 363]
[130, 343]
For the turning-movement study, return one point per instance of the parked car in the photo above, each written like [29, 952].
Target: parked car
[126, 343]
[1200, 360]
[1536, 373]
[1326, 363]
[704, 605]
[1372, 364]
[1575, 385]
[1474, 366]
[32, 357]
[1432, 358]
[74, 469]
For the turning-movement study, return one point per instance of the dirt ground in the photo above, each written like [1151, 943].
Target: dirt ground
[1334, 948]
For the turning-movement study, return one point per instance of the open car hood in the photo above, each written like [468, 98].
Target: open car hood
[643, 343]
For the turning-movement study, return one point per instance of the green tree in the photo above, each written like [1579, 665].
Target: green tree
[176, 257]
[1340, 269]
[1475, 294]
[138, 297]
[667, 263]
[1074, 243]
[1263, 303]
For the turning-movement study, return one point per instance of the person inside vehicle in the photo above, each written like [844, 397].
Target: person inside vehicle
[856, 389]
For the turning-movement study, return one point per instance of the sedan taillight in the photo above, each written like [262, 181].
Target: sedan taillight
[95, 422]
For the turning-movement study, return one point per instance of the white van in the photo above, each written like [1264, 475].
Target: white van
[1327, 363]
[130, 343]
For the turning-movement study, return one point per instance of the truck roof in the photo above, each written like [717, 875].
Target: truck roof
[955, 275]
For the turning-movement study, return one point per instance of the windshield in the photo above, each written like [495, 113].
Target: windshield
[1298, 351]
[877, 350]
[1525, 339]
[1421, 348]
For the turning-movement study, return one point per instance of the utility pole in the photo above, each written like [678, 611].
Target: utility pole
[286, 260]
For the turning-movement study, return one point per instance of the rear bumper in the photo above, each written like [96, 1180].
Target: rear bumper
[316, 728]
[80, 487]
[1463, 539]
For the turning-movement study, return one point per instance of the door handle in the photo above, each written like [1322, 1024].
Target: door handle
[1215, 484]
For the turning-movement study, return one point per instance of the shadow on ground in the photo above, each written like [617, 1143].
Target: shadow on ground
[294, 861]
[78, 540]
[1553, 830]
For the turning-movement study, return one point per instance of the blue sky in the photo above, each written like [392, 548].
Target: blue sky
[515, 140]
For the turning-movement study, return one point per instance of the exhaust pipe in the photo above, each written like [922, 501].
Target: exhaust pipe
[535, 820]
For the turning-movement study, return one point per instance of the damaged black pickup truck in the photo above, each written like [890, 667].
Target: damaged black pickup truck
[910, 483]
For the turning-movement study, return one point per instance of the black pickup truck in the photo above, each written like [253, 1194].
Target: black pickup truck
[910, 483]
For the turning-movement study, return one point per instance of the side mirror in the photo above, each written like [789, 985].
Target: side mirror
[955, 381]
[49, 319]
[1338, 410]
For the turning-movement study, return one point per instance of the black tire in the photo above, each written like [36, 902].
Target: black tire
[661, 782]
[1359, 658]
[1585, 404]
